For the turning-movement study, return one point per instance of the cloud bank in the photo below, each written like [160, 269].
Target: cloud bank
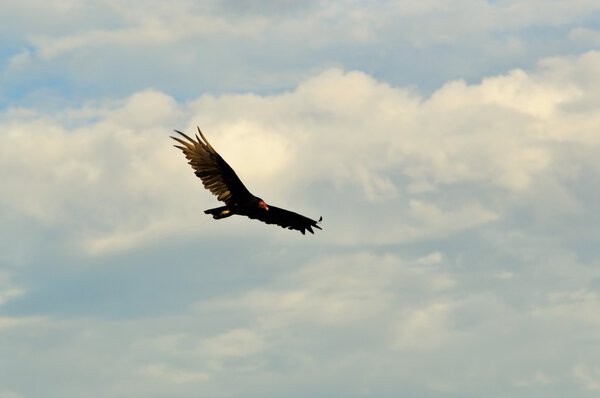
[105, 173]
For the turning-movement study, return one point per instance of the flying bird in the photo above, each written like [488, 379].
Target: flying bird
[220, 179]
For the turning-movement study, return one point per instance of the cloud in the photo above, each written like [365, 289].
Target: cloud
[424, 328]
[165, 373]
[109, 49]
[149, 32]
[352, 322]
[450, 146]
[9, 394]
[585, 36]
[438, 225]
[314, 322]
[106, 174]
[580, 305]
[7, 289]
[588, 376]
[234, 343]
[348, 293]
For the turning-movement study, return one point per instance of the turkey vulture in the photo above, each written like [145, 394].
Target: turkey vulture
[220, 179]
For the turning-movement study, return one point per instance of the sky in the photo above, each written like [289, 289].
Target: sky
[451, 147]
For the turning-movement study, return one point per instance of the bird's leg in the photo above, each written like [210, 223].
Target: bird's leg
[219, 212]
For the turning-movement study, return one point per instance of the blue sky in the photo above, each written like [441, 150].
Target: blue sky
[450, 146]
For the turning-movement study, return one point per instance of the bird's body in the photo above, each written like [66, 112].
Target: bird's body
[220, 179]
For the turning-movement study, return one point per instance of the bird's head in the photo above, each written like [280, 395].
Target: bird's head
[263, 205]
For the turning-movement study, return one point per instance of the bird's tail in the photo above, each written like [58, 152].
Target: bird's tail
[219, 212]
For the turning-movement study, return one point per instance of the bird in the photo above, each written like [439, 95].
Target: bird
[220, 179]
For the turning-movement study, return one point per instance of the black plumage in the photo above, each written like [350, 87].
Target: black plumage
[220, 179]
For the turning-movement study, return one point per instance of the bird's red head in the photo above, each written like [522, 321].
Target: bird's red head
[263, 205]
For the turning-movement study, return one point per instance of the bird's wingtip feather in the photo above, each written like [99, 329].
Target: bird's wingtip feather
[205, 141]
[184, 135]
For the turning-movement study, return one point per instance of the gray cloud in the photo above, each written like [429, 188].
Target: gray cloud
[459, 251]
[355, 323]
[110, 49]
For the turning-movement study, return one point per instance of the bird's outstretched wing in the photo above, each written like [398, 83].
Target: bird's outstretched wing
[286, 219]
[216, 175]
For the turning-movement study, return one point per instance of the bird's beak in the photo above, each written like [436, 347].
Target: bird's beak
[263, 205]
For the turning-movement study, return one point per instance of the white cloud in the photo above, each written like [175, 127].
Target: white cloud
[7, 289]
[433, 258]
[107, 173]
[114, 48]
[538, 378]
[234, 343]
[579, 306]
[587, 375]
[153, 31]
[9, 394]
[165, 373]
[12, 322]
[424, 328]
[341, 292]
